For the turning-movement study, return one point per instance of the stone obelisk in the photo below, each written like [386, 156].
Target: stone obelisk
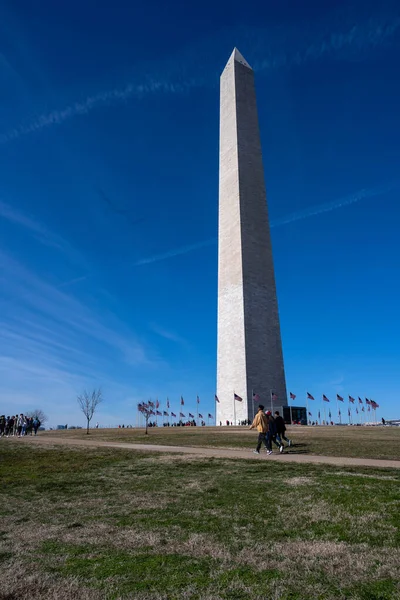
[249, 356]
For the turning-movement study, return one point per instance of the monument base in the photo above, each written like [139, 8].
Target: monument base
[296, 415]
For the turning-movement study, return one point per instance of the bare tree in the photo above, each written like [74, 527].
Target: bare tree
[38, 413]
[88, 403]
[146, 410]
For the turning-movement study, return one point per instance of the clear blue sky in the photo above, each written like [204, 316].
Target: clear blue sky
[109, 197]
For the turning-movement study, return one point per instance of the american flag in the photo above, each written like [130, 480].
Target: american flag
[198, 400]
[201, 416]
[339, 398]
[274, 396]
[348, 412]
[173, 414]
[210, 416]
[256, 397]
[157, 404]
[182, 402]
[309, 396]
[238, 398]
[319, 414]
[374, 404]
[151, 403]
[356, 410]
[325, 399]
[310, 414]
[369, 408]
[181, 414]
[159, 413]
[330, 416]
[351, 399]
[363, 409]
[359, 400]
[339, 412]
[167, 403]
[292, 396]
[367, 401]
[165, 413]
[190, 415]
[216, 398]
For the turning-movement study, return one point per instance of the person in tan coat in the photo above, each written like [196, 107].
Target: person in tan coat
[261, 424]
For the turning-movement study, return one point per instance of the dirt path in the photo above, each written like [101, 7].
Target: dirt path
[219, 452]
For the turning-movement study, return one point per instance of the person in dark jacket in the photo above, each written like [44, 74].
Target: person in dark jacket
[273, 435]
[36, 425]
[281, 428]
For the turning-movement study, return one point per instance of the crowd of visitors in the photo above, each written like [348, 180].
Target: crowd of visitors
[270, 430]
[18, 425]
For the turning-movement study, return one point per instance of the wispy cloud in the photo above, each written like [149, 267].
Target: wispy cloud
[52, 344]
[64, 314]
[293, 217]
[13, 215]
[269, 49]
[40, 232]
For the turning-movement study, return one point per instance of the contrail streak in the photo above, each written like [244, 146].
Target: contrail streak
[285, 50]
[296, 216]
[329, 206]
[175, 252]
[73, 281]
[116, 96]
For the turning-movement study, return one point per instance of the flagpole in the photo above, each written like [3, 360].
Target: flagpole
[307, 410]
[234, 409]
[252, 397]
[290, 409]
[270, 391]
[197, 406]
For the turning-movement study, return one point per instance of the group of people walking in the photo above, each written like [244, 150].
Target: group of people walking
[271, 429]
[18, 425]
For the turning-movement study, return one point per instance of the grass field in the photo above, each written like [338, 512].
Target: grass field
[366, 442]
[107, 524]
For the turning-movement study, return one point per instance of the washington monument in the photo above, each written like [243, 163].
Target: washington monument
[249, 356]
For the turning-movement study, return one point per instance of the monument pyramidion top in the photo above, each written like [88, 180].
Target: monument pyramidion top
[236, 55]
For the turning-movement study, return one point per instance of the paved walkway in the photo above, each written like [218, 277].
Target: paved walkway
[220, 452]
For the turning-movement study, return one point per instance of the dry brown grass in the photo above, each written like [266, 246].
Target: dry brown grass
[21, 582]
[296, 481]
